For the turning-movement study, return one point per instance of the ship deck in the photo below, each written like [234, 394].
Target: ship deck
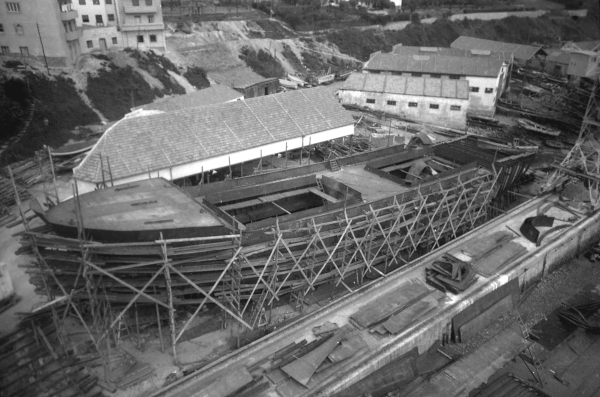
[153, 204]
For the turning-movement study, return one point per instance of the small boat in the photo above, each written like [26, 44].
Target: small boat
[554, 144]
[535, 127]
[548, 86]
[325, 79]
[297, 80]
[343, 75]
[508, 104]
[74, 148]
[290, 85]
[516, 146]
[136, 211]
[534, 89]
[556, 79]
[69, 164]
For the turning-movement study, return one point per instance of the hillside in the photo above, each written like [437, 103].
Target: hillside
[104, 86]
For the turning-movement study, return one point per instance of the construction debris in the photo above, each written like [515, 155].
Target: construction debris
[450, 274]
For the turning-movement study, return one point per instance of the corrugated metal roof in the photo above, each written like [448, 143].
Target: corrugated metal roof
[453, 52]
[241, 77]
[403, 85]
[142, 144]
[520, 51]
[207, 96]
[437, 64]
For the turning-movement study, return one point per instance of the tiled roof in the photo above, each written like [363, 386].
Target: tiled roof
[520, 51]
[420, 86]
[453, 52]
[241, 77]
[207, 96]
[439, 64]
[136, 145]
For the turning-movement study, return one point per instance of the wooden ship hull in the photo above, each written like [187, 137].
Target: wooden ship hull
[539, 128]
[505, 146]
[283, 232]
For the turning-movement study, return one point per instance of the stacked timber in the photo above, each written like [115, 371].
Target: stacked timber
[30, 171]
[7, 192]
[35, 363]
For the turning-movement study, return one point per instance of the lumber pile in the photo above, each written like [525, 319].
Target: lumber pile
[34, 362]
[7, 193]
[30, 171]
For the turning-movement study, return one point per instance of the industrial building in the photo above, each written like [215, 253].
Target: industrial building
[487, 78]
[45, 31]
[188, 142]
[442, 102]
[244, 80]
[584, 59]
[523, 54]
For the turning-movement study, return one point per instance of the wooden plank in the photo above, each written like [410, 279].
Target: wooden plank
[472, 327]
[390, 303]
[400, 321]
[499, 258]
[323, 195]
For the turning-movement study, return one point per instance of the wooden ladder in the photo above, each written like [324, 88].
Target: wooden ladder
[319, 184]
[334, 165]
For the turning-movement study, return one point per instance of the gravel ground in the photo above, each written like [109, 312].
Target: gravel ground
[545, 297]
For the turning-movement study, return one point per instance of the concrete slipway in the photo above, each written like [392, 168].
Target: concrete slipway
[534, 263]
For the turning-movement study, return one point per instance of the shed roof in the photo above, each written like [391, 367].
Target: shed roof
[558, 56]
[453, 52]
[420, 86]
[137, 145]
[588, 45]
[520, 51]
[207, 96]
[441, 64]
[240, 77]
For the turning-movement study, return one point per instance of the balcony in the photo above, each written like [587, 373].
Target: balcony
[134, 27]
[140, 9]
[74, 35]
[68, 15]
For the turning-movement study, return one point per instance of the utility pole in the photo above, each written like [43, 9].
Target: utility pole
[43, 52]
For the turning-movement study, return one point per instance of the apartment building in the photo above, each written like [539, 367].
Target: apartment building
[30, 30]
[121, 23]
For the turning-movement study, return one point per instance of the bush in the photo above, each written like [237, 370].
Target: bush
[197, 77]
[262, 63]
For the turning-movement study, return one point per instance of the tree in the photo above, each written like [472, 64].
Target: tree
[415, 18]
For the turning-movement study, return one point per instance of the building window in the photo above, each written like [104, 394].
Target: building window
[85, 18]
[474, 89]
[99, 20]
[435, 75]
[111, 17]
[489, 90]
[135, 2]
[391, 103]
[150, 18]
[434, 106]
[1, 28]
[19, 29]
[81, 2]
[137, 19]
[370, 100]
[90, 44]
[454, 107]
[114, 40]
[5, 50]
[416, 74]
[13, 7]
[413, 104]
[96, 2]
[148, 2]
[453, 77]
[153, 38]
[24, 51]
[108, 2]
[140, 39]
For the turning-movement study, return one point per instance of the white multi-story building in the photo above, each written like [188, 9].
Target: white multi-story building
[120, 23]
